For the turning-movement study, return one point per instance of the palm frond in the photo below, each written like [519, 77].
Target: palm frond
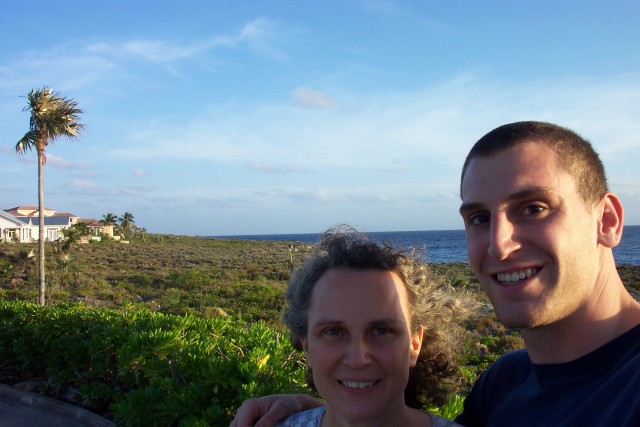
[26, 143]
[52, 116]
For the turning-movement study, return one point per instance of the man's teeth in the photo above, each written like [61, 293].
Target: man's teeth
[354, 384]
[515, 276]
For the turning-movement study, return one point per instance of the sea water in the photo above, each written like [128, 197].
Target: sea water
[450, 245]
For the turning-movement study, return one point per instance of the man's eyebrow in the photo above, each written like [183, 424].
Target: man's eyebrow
[467, 207]
[527, 193]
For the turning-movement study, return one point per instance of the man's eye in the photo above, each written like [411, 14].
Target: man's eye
[534, 210]
[478, 219]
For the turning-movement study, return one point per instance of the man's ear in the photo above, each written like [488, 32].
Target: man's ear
[611, 220]
[303, 341]
[416, 345]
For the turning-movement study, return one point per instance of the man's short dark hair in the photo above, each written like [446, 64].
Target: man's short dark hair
[575, 154]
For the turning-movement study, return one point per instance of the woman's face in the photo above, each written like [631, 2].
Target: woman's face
[359, 343]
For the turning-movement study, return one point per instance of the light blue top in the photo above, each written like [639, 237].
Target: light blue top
[313, 418]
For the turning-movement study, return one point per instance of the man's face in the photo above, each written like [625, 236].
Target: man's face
[531, 239]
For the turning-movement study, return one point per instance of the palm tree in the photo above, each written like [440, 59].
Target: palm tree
[52, 116]
[109, 219]
[126, 221]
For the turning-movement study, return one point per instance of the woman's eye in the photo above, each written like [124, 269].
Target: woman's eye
[332, 331]
[382, 330]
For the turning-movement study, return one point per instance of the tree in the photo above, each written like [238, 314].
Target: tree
[126, 222]
[72, 235]
[52, 116]
[109, 219]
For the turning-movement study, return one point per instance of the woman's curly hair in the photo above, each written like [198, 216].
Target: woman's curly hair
[435, 375]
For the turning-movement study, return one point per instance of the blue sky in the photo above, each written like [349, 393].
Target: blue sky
[262, 117]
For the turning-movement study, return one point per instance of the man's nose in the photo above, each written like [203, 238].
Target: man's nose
[503, 239]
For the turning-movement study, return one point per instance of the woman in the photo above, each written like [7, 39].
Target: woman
[374, 331]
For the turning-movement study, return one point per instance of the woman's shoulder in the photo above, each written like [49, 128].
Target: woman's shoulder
[310, 418]
[437, 421]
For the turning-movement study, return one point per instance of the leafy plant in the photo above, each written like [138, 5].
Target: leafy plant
[148, 368]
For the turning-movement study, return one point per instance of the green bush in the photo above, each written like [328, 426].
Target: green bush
[148, 368]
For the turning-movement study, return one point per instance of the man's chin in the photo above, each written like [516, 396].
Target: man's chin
[515, 321]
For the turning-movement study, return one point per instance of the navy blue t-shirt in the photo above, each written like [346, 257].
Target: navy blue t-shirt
[599, 389]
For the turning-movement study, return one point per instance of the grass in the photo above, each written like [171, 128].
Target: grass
[219, 277]
[201, 276]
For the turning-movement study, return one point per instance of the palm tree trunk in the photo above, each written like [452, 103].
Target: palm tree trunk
[41, 235]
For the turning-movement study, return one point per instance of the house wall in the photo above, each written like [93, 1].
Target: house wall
[25, 227]
[10, 231]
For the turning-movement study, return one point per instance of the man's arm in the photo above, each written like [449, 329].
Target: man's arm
[266, 411]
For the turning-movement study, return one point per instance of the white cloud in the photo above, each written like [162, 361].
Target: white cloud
[429, 129]
[261, 35]
[97, 62]
[85, 186]
[137, 190]
[56, 162]
[314, 195]
[260, 167]
[310, 98]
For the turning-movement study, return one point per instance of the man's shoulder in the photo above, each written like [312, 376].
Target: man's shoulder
[515, 360]
[501, 376]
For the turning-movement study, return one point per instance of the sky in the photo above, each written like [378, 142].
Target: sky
[218, 118]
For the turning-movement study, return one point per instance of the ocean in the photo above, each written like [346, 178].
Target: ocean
[450, 245]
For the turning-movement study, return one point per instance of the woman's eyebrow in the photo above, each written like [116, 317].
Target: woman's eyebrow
[379, 321]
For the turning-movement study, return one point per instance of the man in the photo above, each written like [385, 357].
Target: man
[541, 226]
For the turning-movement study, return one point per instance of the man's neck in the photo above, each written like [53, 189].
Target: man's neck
[608, 316]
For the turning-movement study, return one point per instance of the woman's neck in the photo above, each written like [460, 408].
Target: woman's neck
[408, 417]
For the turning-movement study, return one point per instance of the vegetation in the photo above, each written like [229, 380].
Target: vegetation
[143, 368]
[127, 224]
[109, 219]
[136, 331]
[170, 274]
[52, 117]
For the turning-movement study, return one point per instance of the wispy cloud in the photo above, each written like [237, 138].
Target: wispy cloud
[261, 35]
[105, 60]
[56, 162]
[51, 67]
[371, 199]
[85, 186]
[137, 190]
[310, 98]
[169, 51]
[424, 132]
[316, 195]
[260, 167]
[391, 9]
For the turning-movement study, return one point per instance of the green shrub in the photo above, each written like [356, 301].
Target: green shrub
[450, 409]
[149, 368]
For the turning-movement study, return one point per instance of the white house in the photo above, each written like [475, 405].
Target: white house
[29, 217]
[12, 229]
[97, 227]
[20, 224]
